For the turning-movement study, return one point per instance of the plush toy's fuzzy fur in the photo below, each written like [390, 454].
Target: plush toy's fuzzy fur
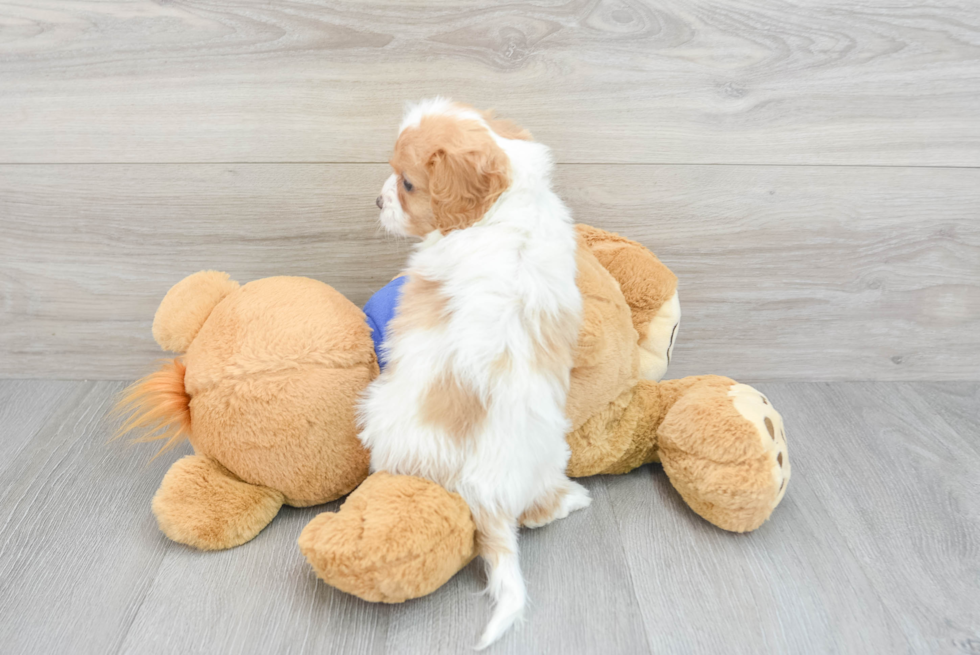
[158, 404]
[683, 423]
[202, 504]
[378, 533]
[266, 390]
[720, 442]
[183, 311]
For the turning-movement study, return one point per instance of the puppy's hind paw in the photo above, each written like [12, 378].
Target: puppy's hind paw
[558, 504]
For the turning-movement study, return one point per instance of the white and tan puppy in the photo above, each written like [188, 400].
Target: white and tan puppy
[480, 352]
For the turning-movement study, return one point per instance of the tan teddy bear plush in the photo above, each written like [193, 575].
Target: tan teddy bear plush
[270, 372]
[721, 443]
[265, 391]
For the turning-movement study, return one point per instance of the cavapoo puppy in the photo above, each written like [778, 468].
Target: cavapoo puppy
[479, 354]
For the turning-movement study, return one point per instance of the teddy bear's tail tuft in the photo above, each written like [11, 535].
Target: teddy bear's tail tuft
[157, 404]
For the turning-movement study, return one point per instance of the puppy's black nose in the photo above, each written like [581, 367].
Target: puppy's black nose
[380, 203]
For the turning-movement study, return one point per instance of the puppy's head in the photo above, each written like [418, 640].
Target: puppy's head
[448, 168]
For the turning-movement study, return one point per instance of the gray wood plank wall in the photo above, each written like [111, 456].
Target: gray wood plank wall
[811, 171]
[675, 81]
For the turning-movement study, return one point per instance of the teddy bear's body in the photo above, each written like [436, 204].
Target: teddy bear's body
[270, 375]
[273, 383]
[271, 372]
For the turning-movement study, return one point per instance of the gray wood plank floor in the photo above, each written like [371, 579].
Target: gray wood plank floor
[875, 549]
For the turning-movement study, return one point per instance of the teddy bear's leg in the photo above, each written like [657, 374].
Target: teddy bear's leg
[202, 504]
[396, 537]
[565, 498]
[619, 437]
[723, 446]
[650, 290]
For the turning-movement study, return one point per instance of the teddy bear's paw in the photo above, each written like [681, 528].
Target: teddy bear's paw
[757, 410]
[657, 340]
[723, 445]
[202, 504]
[556, 505]
[395, 537]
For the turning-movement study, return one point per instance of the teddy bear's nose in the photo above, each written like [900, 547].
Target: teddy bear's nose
[380, 203]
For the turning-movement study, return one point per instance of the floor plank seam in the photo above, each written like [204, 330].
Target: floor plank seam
[626, 562]
[27, 441]
[974, 443]
[846, 542]
[58, 418]
[146, 594]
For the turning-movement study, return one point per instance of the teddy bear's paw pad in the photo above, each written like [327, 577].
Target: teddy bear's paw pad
[657, 340]
[757, 410]
[557, 505]
[396, 537]
[723, 446]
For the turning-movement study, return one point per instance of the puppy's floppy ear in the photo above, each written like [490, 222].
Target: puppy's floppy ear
[465, 180]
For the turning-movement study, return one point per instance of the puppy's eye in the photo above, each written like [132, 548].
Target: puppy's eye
[408, 185]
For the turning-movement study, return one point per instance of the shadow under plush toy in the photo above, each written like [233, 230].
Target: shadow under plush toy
[272, 370]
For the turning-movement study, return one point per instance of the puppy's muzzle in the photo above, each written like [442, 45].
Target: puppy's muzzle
[380, 202]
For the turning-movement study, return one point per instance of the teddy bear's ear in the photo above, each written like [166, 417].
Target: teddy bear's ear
[187, 306]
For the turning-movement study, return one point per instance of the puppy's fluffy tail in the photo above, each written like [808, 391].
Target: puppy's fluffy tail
[158, 404]
[505, 584]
